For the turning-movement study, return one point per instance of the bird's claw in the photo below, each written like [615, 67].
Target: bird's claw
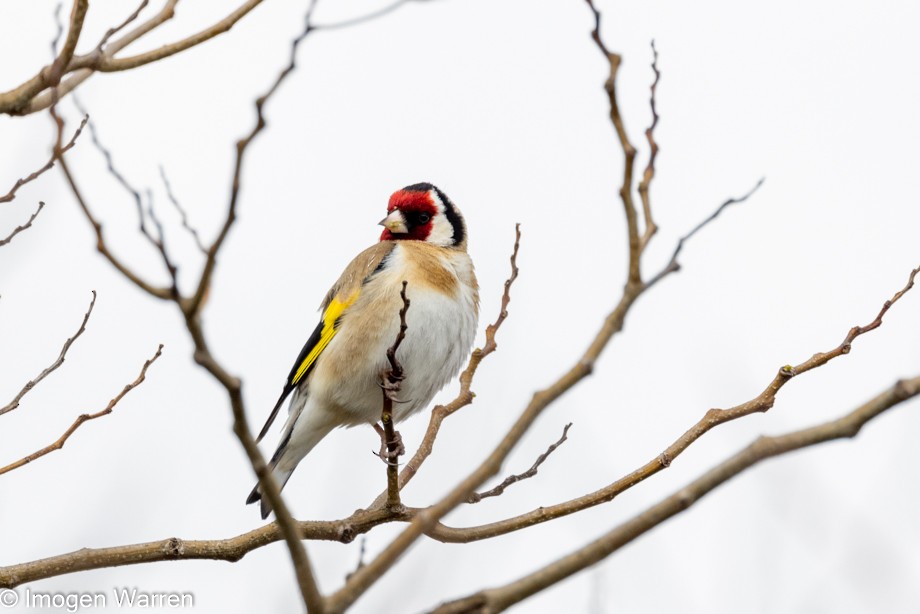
[390, 450]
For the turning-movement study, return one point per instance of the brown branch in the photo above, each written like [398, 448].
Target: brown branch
[33, 96]
[35, 175]
[26, 226]
[82, 418]
[156, 242]
[390, 384]
[714, 417]
[847, 426]
[115, 30]
[193, 304]
[49, 76]
[102, 247]
[512, 479]
[83, 67]
[233, 549]
[466, 395]
[650, 227]
[174, 549]
[634, 277]
[111, 64]
[57, 363]
[673, 265]
[182, 214]
[191, 311]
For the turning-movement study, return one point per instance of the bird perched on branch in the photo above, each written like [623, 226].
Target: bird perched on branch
[336, 378]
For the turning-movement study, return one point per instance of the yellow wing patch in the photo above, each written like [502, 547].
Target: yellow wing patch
[333, 312]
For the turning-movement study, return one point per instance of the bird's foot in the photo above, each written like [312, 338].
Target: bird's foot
[390, 449]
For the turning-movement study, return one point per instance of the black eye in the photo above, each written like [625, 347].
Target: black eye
[424, 218]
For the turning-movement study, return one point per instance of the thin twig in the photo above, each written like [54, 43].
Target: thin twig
[634, 274]
[512, 479]
[155, 241]
[673, 266]
[650, 227]
[362, 548]
[82, 418]
[193, 304]
[181, 210]
[101, 245]
[51, 368]
[115, 30]
[50, 163]
[27, 225]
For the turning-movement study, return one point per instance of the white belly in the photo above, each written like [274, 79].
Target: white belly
[440, 333]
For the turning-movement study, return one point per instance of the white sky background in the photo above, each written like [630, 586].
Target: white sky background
[501, 105]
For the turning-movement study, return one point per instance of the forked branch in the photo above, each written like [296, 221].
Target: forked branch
[83, 418]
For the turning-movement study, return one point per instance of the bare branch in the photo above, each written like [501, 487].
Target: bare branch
[183, 216]
[634, 277]
[191, 310]
[82, 418]
[35, 95]
[712, 418]
[57, 363]
[113, 31]
[500, 598]
[650, 227]
[49, 76]
[156, 242]
[508, 481]
[361, 551]
[102, 247]
[27, 98]
[193, 304]
[673, 266]
[174, 549]
[233, 549]
[35, 175]
[27, 225]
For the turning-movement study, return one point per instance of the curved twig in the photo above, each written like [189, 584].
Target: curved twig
[53, 366]
[83, 418]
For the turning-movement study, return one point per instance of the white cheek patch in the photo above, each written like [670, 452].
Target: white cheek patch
[442, 231]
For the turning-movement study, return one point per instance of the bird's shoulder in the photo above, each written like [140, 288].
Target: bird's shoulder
[362, 267]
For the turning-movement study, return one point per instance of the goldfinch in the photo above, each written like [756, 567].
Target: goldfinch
[335, 380]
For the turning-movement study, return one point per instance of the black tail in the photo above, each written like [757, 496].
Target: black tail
[280, 478]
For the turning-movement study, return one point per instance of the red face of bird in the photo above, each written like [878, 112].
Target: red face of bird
[422, 212]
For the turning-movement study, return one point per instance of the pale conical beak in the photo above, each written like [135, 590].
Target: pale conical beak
[395, 222]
